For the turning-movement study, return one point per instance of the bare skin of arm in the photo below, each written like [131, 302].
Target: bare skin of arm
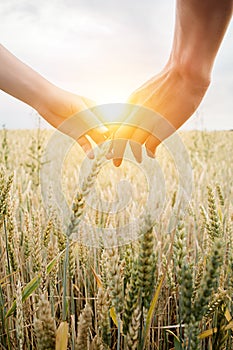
[55, 105]
[177, 91]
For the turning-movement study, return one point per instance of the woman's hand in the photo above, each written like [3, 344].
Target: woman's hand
[72, 115]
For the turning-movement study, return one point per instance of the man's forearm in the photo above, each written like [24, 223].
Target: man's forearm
[20, 81]
[199, 30]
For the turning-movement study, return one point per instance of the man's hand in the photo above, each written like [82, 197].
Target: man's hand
[166, 101]
[177, 92]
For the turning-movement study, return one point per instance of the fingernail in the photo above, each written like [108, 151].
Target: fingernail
[150, 154]
[91, 154]
[117, 162]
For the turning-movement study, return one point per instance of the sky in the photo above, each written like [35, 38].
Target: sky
[104, 49]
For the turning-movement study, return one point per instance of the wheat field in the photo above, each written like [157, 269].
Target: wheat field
[168, 286]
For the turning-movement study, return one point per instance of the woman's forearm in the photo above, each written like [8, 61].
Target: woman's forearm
[21, 81]
[59, 107]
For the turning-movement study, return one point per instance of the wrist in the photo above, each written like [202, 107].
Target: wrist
[55, 104]
[41, 94]
[198, 74]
